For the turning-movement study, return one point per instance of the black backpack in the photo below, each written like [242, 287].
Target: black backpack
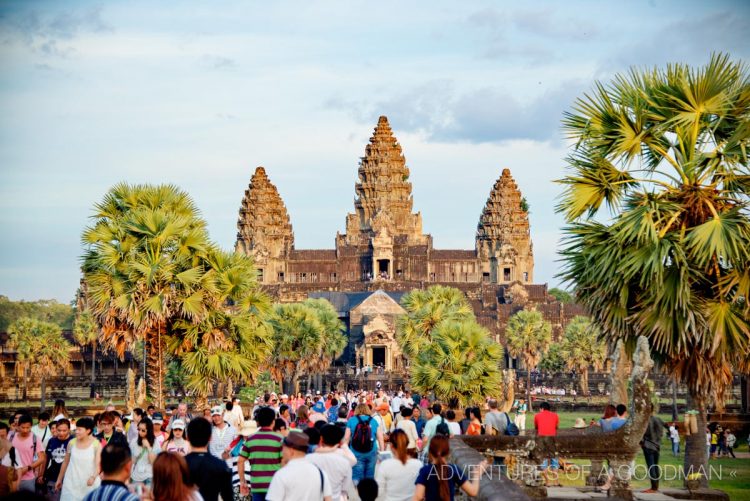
[442, 428]
[511, 429]
[362, 438]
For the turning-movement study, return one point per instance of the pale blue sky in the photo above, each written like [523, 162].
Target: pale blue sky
[200, 93]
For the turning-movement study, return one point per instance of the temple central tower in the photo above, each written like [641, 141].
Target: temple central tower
[383, 202]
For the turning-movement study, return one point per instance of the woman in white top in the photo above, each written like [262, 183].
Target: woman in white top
[408, 427]
[144, 450]
[396, 476]
[453, 426]
[176, 441]
[79, 473]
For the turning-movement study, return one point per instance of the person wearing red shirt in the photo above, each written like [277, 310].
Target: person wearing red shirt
[546, 423]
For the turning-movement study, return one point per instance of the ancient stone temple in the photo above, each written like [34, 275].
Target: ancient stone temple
[384, 247]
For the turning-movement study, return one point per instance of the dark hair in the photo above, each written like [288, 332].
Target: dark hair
[265, 416]
[199, 432]
[4, 426]
[475, 412]
[149, 432]
[171, 481]
[138, 412]
[87, 423]
[266, 397]
[343, 411]
[467, 412]
[319, 424]
[279, 424]
[609, 411]
[436, 408]
[367, 488]
[621, 409]
[228, 406]
[450, 414]
[107, 417]
[334, 401]
[25, 418]
[545, 406]
[406, 411]
[331, 434]
[62, 421]
[283, 408]
[439, 451]
[399, 443]
[44, 416]
[114, 458]
[314, 435]
[150, 407]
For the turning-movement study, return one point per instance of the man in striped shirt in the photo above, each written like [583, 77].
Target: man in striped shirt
[116, 462]
[263, 450]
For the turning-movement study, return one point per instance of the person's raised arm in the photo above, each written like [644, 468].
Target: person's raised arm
[471, 486]
[381, 439]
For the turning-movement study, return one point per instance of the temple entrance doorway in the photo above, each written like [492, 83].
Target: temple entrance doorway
[384, 266]
[378, 356]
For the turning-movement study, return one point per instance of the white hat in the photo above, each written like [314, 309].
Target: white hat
[216, 411]
[178, 424]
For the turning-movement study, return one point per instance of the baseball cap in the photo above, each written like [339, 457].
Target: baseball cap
[178, 424]
[216, 411]
[157, 418]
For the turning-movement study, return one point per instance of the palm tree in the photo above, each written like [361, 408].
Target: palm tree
[582, 349]
[41, 349]
[664, 151]
[552, 361]
[461, 364]
[528, 336]
[144, 269]
[333, 333]
[425, 309]
[86, 332]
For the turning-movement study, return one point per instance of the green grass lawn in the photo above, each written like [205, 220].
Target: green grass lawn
[730, 475]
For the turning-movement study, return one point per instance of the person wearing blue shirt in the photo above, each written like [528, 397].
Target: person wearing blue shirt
[366, 459]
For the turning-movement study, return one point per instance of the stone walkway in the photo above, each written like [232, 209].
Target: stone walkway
[573, 493]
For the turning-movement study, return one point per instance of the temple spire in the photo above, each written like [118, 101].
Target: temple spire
[264, 230]
[383, 191]
[503, 233]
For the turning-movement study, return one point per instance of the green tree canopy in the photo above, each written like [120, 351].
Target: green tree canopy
[552, 361]
[528, 337]
[561, 295]
[582, 349]
[656, 200]
[46, 310]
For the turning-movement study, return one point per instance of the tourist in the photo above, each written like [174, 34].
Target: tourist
[116, 463]
[222, 435]
[410, 429]
[59, 411]
[29, 452]
[144, 450]
[42, 429]
[466, 421]
[435, 425]
[674, 437]
[618, 421]
[135, 418]
[521, 410]
[332, 414]
[453, 426]
[383, 416]
[107, 433]
[262, 451]
[475, 426]
[247, 430]
[651, 444]
[285, 414]
[367, 489]
[233, 414]
[182, 414]
[396, 476]
[331, 462]
[280, 426]
[303, 419]
[720, 445]
[159, 434]
[437, 481]
[365, 439]
[610, 412]
[172, 479]
[55, 452]
[176, 441]
[495, 422]
[298, 479]
[210, 474]
[318, 413]
[78, 473]
[730, 440]
[546, 424]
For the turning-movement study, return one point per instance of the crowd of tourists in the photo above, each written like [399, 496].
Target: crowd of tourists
[389, 446]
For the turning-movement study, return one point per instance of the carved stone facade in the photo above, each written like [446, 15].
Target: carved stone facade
[384, 246]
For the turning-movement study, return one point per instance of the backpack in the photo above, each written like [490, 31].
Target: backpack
[442, 428]
[362, 439]
[511, 429]
[333, 413]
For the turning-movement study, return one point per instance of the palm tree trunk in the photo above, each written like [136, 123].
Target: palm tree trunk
[528, 387]
[44, 393]
[156, 366]
[93, 369]
[696, 456]
[585, 382]
[25, 381]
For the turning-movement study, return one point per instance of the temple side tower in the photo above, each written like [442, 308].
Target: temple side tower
[503, 241]
[383, 200]
[264, 230]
